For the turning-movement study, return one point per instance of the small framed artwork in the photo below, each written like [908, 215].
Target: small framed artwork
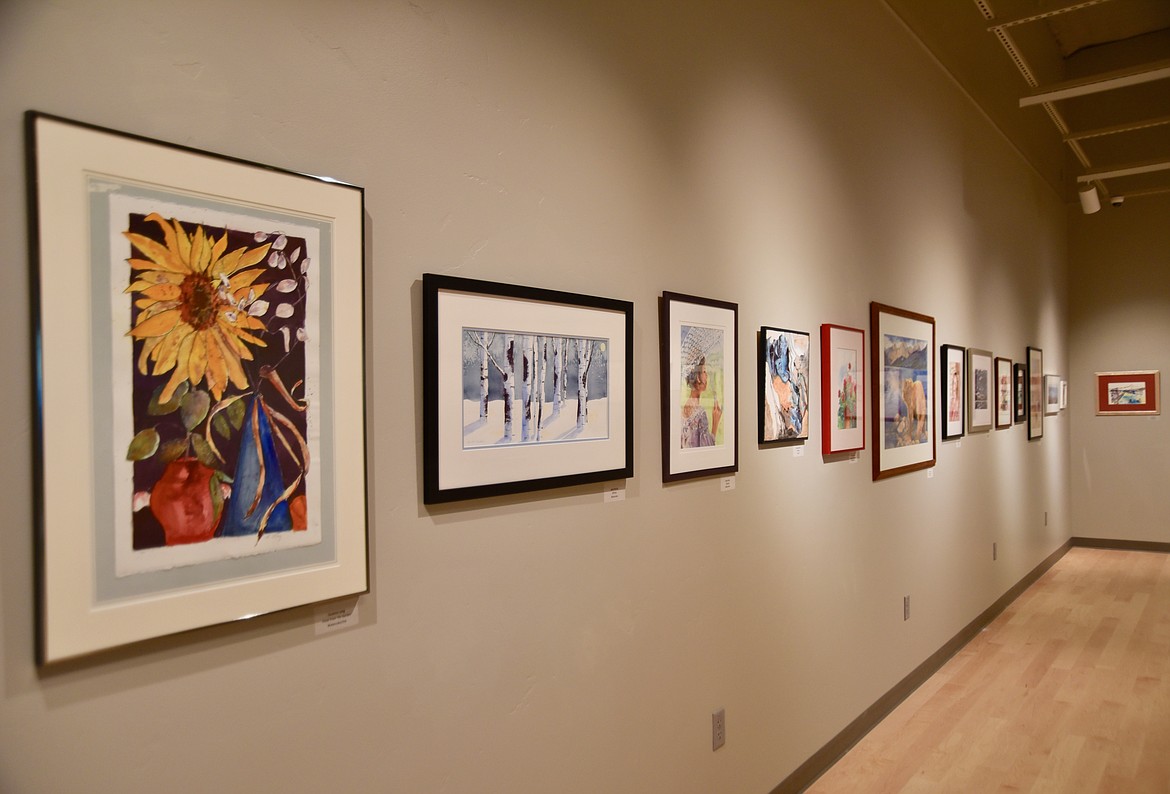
[1003, 392]
[1020, 394]
[201, 424]
[1063, 394]
[842, 389]
[980, 394]
[902, 355]
[1035, 393]
[1051, 394]
[953, 360]
[524, 389]
[784, 392]
[699, 362]
[1133, 393]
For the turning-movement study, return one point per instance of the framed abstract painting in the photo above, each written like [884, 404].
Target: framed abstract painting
[902, 354]
[699, 362]
[1003, 392]
[1132, 393]
[980, 407]
[842, 389]
[200, 422]
[1020, 392]
[784, 389]
[1036, 397]
[523, 389]
[953, 360]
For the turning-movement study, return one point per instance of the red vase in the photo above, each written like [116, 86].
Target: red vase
[182, 502]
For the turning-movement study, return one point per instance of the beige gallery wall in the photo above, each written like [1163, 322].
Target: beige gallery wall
[800, 159]
[1119, 308]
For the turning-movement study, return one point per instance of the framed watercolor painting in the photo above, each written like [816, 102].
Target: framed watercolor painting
[1003, 392]
[523, 389]
[980, 396]
[953, 364]
[902, 354]
[1020, 392]
[784, 389]
[1132, 393]
[201, 439]
[842, 389]
[699, 361]
[1051, 394]
[1035, 393]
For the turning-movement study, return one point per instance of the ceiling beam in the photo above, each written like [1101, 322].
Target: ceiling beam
[1009, 23]
[1107, 81]
[1131, 126]
[1126, 170]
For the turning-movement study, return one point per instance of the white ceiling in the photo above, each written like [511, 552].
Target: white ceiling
[1082, 87]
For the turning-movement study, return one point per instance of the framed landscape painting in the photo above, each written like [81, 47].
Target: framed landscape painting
[1132, 393]
[201, 417]
[1035, 393]
[699, 361]
[784, 388]
[842, 389]
[523, 389]
[902, 352]
[1003, 392]
[953, 360]
[980, 384]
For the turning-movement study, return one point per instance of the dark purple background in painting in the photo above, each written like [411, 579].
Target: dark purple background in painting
[291, 366]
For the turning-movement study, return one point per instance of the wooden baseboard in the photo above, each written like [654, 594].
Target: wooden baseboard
[804, 775]
[1121, 545]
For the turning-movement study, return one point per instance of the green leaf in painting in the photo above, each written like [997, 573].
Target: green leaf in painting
[203, 451]
[235, 412]
[143, 445]
[173, 450]
[170, 406]
[221, 426]
[193, 408]
[217, 479]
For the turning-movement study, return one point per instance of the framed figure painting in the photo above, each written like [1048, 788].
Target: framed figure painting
[784, 388]
[980, 406]
[902, 354]
[524, 388]
[1003, 392]
[201, 428]
[699, 362]
[842, 389]
[953, 361]
[1035, 393]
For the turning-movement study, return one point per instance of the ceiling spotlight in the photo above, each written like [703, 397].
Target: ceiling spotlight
[1090, 200]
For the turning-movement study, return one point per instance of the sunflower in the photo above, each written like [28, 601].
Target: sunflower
[194, 301]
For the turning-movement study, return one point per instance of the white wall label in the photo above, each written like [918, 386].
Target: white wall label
[338, 615]
[615, 495]
[727, 484]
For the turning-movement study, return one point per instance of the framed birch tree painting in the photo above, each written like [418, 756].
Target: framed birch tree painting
[523, 388]
[201, 439]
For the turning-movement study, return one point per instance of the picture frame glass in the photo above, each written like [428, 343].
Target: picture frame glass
[1004, 386]
[784, 396]
[902, 351]
[1036, 397]
[843, 372]
[953, 389]
[1132, 393]
[1020, 392]
[980, 390]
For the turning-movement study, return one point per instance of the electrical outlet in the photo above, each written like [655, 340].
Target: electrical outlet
[906, 608]
[718, 729]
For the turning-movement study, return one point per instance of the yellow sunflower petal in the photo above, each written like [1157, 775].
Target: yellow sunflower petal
[163, 292]
[198, 251]
[242, 279]
[231, 361]
[216, 368]
[162, 256]
[218, 248]
[177, 377]
[157, 325]
[197, 357]
[166, 355]
[147, 348]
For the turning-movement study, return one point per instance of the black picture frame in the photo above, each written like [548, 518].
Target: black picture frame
[784, 400]
[1020, 391]
[952, 388]
[699, 371]
[505, 324]
[1036, 396]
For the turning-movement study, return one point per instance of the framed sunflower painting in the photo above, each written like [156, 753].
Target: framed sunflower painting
[199, 371]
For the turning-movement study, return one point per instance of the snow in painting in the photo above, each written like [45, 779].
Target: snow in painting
[525, 388]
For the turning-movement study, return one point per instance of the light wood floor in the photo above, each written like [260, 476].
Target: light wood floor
[1067, 691]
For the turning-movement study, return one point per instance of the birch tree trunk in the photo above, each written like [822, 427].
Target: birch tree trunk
[528, 375]
[509, 375]
[483, 375]
[558, 376]
[584, 359]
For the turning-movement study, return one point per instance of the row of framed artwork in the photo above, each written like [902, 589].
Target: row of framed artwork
[981, 391]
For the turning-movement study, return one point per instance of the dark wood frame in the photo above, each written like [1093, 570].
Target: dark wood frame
[877, 369]
[1003, 362]
[944, 356]
[827, 388]
[1020, 391]
[666, 309]
[433, 285]
[1035, 363]
[762, 384]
